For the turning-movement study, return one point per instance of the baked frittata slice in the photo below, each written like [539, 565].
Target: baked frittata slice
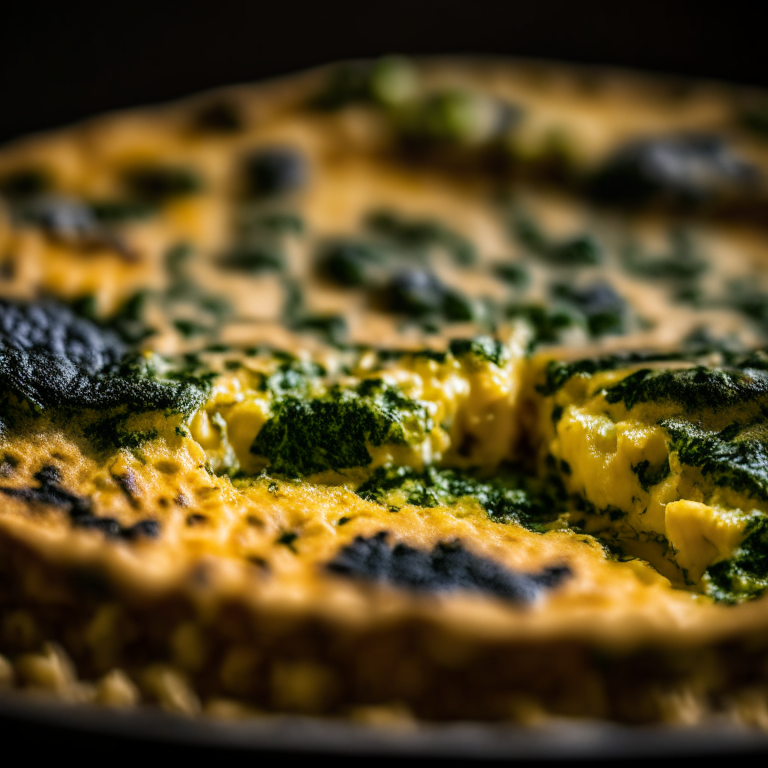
[434, 387]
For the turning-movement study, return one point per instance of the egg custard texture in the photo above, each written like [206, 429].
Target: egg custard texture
[396, 389]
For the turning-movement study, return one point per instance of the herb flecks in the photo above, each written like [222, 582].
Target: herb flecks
[503, 501]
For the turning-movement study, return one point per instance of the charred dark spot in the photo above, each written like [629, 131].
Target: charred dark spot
[52, 358]
[687, 169]
[73, 223]
[196, 519]
[50, 493]
[259, 562]
[180, 500]
[287, 539]
[53, 329]
[129, 486]
[344, 520]
[60, 216]
[275, 171]
[79, 509]
[8, 466]
[144, 529]
[110, 527]
[447, 567]
[219, 117]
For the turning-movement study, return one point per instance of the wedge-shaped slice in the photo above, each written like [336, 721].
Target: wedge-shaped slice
[668, 457]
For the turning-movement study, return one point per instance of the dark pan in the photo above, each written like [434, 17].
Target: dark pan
[41, 727]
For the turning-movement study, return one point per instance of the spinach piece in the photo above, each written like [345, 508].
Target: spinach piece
[745, 575]
[127, 322]
[190, 328]
[277, 223]
[648, 475]
[255, 257]
[293, 376]
[332, 328]
[694, 388]
[580, 250]
[683, 262]
[558, 374]
[160, 183]
[730, 458]
[350, 263]
[747, 298]
[482, 349]
[108, 433]
[419, 293]
[577, 251]
[329, 327]
[432, 487]
[333, 431]
[122, 211]
[547, 323]
[418, 233]
[512, 273]
[456, 116]
[387, 82]
[183, 290]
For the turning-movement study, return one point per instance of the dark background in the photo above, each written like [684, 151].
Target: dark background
[62, 62]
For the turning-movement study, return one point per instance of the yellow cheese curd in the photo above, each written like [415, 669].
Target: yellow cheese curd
[668, 459]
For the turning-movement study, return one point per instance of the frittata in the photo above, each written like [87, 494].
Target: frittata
[397, 389]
